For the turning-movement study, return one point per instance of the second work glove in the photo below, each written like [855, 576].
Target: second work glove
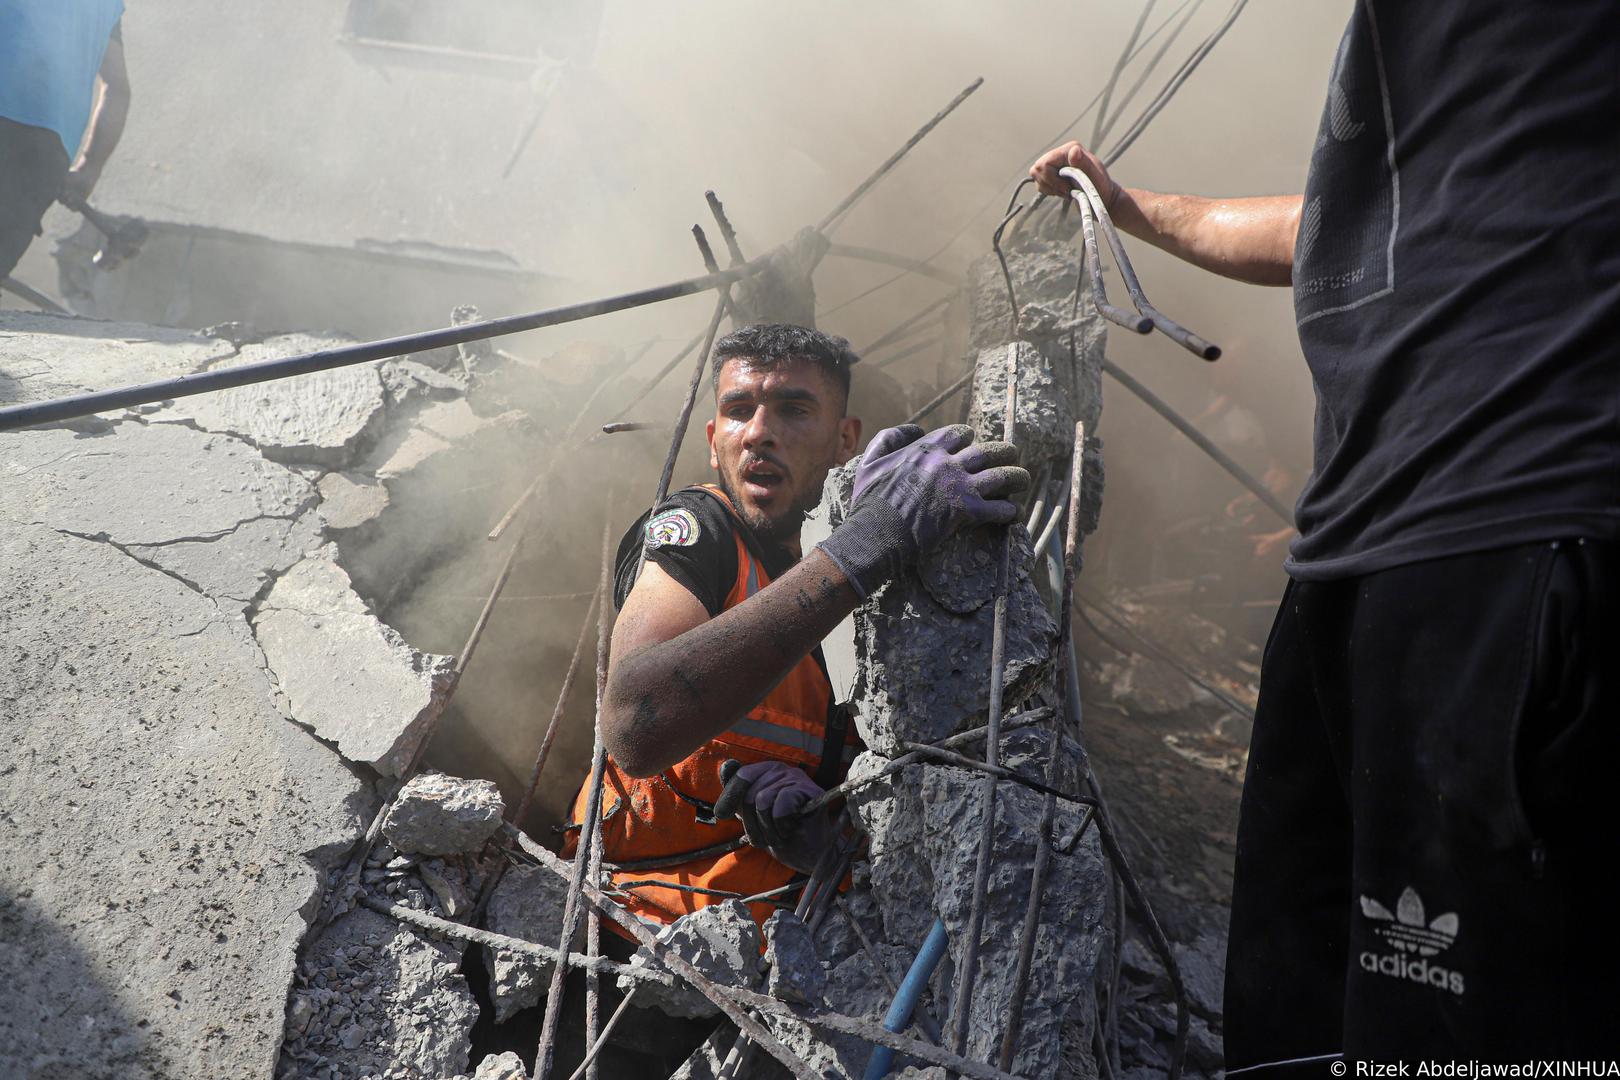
[769, 797]
[912, 491]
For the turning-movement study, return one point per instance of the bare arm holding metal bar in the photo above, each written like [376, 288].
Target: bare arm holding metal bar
[1249, 239]
[110, 111]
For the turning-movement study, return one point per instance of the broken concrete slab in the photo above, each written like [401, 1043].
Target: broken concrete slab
[138, 485]
[163, 829]
[238, 565]
[324, 418]
[344, 673]
[437, 428]
[528, 903]
[793, 970]
[507, 1066]
[49, 356]
[375, 996]
[351, 500]
[405, 378]
[721, 940]
[436, 814]
[205, 508]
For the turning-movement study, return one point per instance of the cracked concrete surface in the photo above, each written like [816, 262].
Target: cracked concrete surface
[318, 419]
[172, 602]
[162, 823]
[345, 673]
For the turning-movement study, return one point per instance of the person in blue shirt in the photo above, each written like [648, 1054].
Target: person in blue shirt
[64, 96]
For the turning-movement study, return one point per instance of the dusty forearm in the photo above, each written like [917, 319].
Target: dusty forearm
[666, 700]
[1250, 239]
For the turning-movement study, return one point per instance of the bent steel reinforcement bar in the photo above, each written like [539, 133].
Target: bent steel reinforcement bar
[47, 412]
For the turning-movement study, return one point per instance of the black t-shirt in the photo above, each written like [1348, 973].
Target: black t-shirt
[1457, 284]
[690, 537]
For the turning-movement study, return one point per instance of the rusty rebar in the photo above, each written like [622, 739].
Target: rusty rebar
[728, 235]
[967, 971]
[518, 946]
[660, 862]
[940, 751]
[1087, 194]
[590, 824]
[830, 222]
[1014, 208]
[1091, 267]
[732, 1000]
[593, 924]
[996, 772]
[685, 416]
[725, 998]
[1043, 848]
[588, 1066]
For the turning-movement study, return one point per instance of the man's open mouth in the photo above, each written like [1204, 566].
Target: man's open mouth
[762, 480]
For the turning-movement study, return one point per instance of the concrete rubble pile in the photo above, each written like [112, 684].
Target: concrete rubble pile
[374, 997]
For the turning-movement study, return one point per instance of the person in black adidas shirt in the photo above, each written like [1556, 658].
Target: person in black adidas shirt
[1424, 850]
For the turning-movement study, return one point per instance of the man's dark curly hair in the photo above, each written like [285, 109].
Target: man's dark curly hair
[768, 344]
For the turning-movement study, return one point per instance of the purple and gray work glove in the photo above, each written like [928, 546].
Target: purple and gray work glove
[769, 797]
[912, 491]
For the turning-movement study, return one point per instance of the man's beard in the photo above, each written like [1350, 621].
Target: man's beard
[778, 530]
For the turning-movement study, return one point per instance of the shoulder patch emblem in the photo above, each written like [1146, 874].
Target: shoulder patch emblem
[672, 528]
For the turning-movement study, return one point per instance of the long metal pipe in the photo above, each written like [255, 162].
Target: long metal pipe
[47, 412]
[1199, 439]
[898, 1017]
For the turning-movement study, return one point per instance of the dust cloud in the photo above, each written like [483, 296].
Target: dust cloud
[781, 109]
[784, 109]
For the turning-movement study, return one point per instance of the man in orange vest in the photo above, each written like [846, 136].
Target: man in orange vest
[716, 653]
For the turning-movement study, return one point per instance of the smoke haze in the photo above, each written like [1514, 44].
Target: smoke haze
[260, 121]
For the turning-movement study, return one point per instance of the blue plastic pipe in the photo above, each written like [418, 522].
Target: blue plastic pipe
[905, 999]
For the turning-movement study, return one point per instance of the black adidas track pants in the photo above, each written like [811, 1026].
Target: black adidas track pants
[1429, 828]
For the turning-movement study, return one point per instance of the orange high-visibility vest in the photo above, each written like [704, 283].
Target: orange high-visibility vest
[660, 817]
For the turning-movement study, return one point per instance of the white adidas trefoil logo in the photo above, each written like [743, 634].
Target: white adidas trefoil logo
[1410, 930]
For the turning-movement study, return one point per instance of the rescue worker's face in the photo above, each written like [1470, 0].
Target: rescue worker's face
[776, 432]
